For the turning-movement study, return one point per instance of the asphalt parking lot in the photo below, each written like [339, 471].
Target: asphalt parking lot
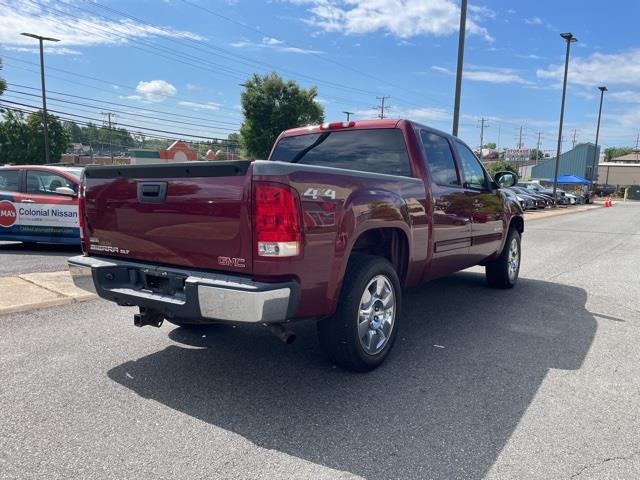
[16, 257]
[542, 381]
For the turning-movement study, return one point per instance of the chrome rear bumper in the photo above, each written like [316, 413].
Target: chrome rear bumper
[186, 294]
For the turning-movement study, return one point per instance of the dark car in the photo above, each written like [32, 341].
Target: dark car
[542, 201]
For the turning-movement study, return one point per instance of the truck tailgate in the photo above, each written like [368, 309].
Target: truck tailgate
[187, 214]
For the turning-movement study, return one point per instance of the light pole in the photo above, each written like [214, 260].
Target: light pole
[569, 38]
[348, 114]
[44, 95]
[594, 175]
[456, 101]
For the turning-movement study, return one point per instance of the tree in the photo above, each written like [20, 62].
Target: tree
[536, 154]
[614, 152]
[271, 105]
[3, 84]
[14, 138]
[500, 166]
[58, 138]
[490, 145]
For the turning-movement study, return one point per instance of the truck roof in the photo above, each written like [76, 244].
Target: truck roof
[357, 125]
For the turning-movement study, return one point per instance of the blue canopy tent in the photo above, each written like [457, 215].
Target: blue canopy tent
[570, 180]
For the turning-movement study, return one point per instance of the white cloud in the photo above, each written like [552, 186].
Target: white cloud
[200, 106]
[401, 18]
[47, 50]
[71, 27]
[533, 21]
[531, 56]
[610, 69]
[153, 91]
[192, 88]
[423, 114]
[274, 44]
[626, 96]
[487, 74]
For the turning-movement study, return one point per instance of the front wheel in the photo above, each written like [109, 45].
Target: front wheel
[361, 333]
[503, 272]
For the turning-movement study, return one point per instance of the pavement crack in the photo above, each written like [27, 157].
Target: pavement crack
[604, 461]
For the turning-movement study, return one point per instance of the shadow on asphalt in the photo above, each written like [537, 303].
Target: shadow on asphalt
[19, 248]
[467, 364]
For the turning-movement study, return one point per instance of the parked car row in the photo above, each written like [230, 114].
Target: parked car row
[533, 196]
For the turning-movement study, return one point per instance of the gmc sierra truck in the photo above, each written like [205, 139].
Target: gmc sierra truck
[332, 226]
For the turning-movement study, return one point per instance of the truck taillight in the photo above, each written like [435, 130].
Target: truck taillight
[276, 220]
[81, 217]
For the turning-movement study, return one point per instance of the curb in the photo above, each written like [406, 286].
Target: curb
[34, 291]
[557, 213]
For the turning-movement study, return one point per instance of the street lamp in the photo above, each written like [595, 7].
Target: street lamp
[569, 38]
[594, 175]
[456, 101]
[44, 95]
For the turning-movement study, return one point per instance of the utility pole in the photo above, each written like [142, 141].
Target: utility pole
[456, 100]
[381, 107]
[520, 139]
[109, 114]
[538, 147]
[575, 134]
[569, 39]
[498, 144]
[596, 160]
[40, 39]
[348, 114]
[482, 127]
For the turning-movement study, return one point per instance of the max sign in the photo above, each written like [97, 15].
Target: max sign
[38, 215]
[8, 214]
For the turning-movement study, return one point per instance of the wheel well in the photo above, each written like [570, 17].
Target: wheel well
[518, 223]
[390, 243]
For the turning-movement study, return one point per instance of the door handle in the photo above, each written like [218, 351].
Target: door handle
[27, 200]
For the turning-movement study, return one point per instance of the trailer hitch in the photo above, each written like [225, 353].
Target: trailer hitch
[148, 317]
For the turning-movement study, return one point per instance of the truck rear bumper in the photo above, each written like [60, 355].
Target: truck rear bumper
[199, 297]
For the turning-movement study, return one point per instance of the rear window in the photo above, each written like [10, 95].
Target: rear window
[376, 151]
[9, 180]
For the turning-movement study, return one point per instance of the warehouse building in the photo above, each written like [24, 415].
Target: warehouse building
[578, 161]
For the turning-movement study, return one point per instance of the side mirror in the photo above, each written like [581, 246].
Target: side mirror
[66, 191]
[505, 179]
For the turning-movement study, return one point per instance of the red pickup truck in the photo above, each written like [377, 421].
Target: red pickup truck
[339, 219]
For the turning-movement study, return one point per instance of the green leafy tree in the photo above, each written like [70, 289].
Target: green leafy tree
[500, 166]
[58, 139]
[614, 152]
[3, 84]
[271, 105]
[14, 138]
[536, 155]
[490, 145]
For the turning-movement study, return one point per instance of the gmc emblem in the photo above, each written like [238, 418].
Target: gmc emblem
[231, 262]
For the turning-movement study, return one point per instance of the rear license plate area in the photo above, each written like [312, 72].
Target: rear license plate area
[163, 283]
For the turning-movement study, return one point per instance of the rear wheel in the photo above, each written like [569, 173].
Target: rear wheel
[503, 272]
[361, 333]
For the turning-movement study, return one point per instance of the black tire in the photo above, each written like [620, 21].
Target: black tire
[498, 271]
[339, 334]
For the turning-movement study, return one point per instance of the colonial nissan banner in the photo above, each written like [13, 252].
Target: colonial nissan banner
[37, 215]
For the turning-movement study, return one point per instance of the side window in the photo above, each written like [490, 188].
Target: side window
[472, 171]
[39, 181]
[440, 160]
[9, 180]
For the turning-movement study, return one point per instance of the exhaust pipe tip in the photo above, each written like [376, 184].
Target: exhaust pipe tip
[284, 334]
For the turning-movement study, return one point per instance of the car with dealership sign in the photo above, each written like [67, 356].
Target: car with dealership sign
[39, 204]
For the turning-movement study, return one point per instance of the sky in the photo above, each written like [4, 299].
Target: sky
[174, 68]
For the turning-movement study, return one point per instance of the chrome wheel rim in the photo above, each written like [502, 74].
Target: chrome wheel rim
[376, 315]
[514, 259]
